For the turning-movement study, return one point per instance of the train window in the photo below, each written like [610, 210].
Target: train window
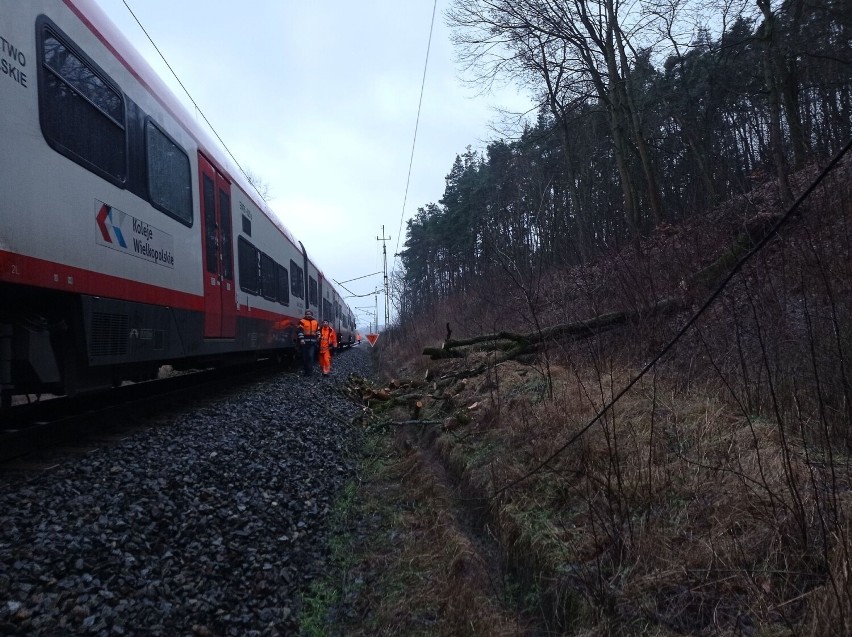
[312, 283]
[211, 240]
[268, 277]
[169, 177]
[283, 287]
[81, 112]
[326, 310]
[227, 239]
[246, 226]
[248, 255]
[297, 280]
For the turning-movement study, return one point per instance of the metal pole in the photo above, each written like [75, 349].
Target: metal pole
[384, 239]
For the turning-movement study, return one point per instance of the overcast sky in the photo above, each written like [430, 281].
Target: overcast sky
[319, 100]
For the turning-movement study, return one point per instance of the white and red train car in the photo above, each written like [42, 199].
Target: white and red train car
[127, 239]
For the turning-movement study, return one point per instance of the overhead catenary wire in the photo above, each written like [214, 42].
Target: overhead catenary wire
[416, 126]
[685, 328]
[191, 99]
[341, 283]
[357, 278]
[359, 296]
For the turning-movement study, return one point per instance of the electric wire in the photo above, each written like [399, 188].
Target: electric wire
[416, 126]
[197, 108]
[357, 278]
[692, 320]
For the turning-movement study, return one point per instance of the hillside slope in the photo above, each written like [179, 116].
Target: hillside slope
[552, 492]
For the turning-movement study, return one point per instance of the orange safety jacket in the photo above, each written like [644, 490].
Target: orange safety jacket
[308, 329]
[327, 338]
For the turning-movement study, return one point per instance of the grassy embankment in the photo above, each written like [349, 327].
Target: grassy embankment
[712, 497]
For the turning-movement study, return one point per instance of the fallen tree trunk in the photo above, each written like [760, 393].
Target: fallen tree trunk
[514, 344]
[437, 353]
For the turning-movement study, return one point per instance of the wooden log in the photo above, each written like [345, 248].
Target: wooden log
[528, 343]
[582, 329]
[438, 353]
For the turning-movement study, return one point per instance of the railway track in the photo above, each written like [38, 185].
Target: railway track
[34, 435]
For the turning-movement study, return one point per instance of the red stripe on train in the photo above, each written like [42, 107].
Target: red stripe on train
[39, 273]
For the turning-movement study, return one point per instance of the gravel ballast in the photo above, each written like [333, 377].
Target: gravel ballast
[212, 523]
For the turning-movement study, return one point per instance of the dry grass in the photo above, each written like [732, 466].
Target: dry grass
[426, 572]
[673, 514]
[713, 498]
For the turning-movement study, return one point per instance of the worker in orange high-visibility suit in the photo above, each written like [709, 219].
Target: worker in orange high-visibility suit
[327, 341]
[308, 334]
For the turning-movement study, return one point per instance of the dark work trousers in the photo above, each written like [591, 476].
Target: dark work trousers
[309, 354]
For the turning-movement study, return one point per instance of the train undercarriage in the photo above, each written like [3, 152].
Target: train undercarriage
[65, 344]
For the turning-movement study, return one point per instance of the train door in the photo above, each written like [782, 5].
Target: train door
[305, 263]
[220, 294]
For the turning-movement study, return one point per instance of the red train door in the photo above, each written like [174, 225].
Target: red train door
[220, 294]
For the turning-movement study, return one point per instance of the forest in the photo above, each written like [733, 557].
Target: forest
[649, 113]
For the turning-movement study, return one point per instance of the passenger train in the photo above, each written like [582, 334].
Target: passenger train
[127, 239]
